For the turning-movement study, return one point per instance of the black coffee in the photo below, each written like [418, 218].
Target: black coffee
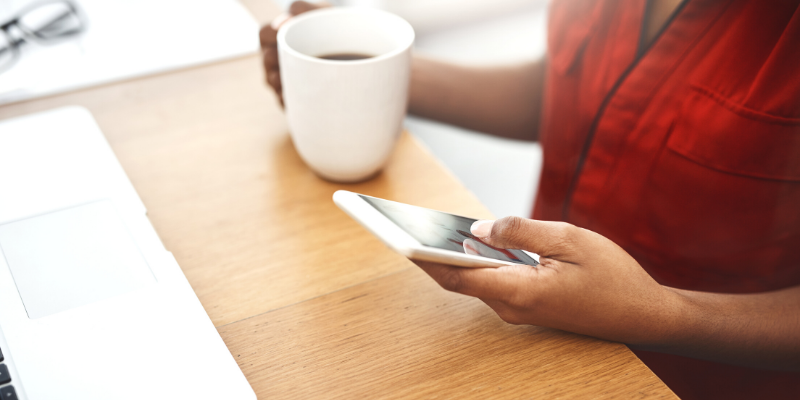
[345, 56]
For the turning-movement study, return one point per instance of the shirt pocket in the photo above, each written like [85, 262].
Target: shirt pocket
[721, 134]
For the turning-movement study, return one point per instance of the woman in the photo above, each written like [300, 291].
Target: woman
[671, 137]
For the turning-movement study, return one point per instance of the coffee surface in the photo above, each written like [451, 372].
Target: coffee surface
[345, 56]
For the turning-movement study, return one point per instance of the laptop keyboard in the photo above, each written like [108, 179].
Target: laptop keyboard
[7, 391]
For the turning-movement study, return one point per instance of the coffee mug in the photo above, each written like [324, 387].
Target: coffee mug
[345, 76]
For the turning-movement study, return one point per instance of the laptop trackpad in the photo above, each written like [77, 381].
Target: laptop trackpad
[73, 257]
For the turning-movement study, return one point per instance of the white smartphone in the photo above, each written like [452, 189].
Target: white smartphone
[427, 235]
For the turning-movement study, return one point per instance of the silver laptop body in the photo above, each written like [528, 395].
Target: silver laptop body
[92, 306]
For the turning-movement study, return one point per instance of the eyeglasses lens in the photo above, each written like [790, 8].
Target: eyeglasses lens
[51, 21]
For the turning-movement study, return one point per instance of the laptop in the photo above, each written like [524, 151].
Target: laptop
[92, 306]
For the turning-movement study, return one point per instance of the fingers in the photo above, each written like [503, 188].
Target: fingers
[279, 20]
[299, 7]
[270, 58]
[271, 69]
[546, 238]
[268, 37]
[274, 80]
[269, 46]
[500, 284]
[471, 247]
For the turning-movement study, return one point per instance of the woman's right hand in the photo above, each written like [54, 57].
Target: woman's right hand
[269, 43]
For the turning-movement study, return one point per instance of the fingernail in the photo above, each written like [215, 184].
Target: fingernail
[280, 20]
[469, 247]
[482, 228]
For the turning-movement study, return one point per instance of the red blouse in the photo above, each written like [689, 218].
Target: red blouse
[687, 156]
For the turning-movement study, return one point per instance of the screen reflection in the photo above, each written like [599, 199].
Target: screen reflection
[443, 231]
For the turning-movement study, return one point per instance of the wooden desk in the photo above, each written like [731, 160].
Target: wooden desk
[309, 303]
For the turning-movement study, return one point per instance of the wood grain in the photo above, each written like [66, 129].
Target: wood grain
[401, 336]
[310, 304]
[252, 227]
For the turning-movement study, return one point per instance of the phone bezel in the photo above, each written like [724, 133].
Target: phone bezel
[400, 241]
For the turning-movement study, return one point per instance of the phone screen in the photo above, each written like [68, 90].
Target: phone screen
[443, 231]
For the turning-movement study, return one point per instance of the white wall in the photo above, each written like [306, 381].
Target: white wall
[503, 174]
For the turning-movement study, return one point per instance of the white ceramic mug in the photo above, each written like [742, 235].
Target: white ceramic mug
[345, 116]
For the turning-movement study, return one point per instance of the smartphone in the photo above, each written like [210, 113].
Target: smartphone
[427, 235]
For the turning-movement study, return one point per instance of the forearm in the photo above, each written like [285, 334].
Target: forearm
[504, 101]
[757, 330]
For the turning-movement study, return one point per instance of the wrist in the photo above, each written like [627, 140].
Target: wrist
[672, 323]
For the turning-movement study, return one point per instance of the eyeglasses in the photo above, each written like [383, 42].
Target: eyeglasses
[43, 23]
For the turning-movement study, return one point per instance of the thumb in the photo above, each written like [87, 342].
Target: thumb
[546, 238]
[296, 8]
